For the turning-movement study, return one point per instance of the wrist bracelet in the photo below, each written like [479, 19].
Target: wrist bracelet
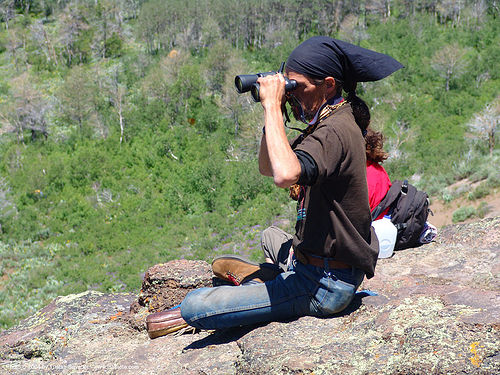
[264, 130]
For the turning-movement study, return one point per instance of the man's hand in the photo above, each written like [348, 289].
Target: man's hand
[272, 90]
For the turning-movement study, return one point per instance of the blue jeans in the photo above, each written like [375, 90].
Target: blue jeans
[306, 290]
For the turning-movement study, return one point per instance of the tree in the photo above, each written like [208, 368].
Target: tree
[161, 78]
[76, 96]
[16, 42]
[75, 35]
[218, 60]
[152, 24]
[27, 110]
[99, 99]
[382, 7]
[478, 10]
[117, 96]
[486, 123]
[352, 31]
[450, 62]
[451, 10]
[402, 135]
[7, 11]
[109, 21]
[130, 8]
[41, 38]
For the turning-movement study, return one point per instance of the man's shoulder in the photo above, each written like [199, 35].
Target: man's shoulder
[341, 121]
[339, 116]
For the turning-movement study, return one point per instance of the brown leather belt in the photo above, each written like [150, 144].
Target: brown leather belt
[318, 262]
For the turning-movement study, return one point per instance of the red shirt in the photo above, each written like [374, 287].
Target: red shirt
[378, 185]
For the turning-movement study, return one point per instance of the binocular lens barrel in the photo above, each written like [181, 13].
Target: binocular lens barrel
[290, 85]
[255, 92]
[244, 82]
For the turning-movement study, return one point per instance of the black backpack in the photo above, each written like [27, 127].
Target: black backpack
[409, 209]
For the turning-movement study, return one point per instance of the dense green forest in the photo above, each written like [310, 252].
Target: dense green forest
[123, 142]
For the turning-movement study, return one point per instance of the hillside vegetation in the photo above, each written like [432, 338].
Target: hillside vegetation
[123, 142]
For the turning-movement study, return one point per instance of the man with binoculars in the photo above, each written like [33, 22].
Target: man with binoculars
[333, 246]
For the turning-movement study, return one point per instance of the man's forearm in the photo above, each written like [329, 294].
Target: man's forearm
[264, 163]
[283, 163]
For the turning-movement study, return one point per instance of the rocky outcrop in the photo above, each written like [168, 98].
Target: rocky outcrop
[165, 286]
[436, 311]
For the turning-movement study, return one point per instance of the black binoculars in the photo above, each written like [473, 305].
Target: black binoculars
[248, 82]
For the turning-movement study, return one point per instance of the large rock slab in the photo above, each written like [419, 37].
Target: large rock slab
[436, 311]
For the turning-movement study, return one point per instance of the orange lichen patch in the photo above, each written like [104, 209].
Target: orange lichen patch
[476, 360]
[114, 317]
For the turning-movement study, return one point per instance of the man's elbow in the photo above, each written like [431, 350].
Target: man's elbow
[285, 181]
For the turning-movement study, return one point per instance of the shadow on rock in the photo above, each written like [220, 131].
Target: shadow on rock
[223, 336]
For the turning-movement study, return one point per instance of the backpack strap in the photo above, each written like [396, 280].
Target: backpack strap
[377, 211]
[404, 204]
[404, 187]
[390, 197]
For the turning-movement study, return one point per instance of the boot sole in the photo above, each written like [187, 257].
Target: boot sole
[165, 331]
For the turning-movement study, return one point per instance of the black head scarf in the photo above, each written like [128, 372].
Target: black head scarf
[321, 56]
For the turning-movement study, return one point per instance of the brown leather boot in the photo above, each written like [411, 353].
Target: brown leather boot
[238, 270]
[165, 322]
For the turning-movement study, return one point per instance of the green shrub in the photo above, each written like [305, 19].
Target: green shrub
[480, 191]
[463, 213]
[114, 45]
[494, 179]
[483, 210]
[446, 196]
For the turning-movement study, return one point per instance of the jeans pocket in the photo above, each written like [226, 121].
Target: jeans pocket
[334, 296]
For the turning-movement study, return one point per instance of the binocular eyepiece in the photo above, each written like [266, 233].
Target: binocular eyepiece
[248, 82]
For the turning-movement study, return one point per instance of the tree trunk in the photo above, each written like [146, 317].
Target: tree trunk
[105, 38]
[120, 115]
[491, 140]
[50, 48]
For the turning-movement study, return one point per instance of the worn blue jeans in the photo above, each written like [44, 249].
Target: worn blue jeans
[305, 290]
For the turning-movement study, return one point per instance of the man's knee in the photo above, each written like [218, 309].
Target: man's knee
[273, 238]
[268, 233]
[193, 304]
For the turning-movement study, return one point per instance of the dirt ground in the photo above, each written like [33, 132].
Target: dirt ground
[443, 212]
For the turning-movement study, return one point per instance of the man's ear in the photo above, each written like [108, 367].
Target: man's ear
[331, 87]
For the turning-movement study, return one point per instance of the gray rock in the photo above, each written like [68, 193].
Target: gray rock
[436, 312]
